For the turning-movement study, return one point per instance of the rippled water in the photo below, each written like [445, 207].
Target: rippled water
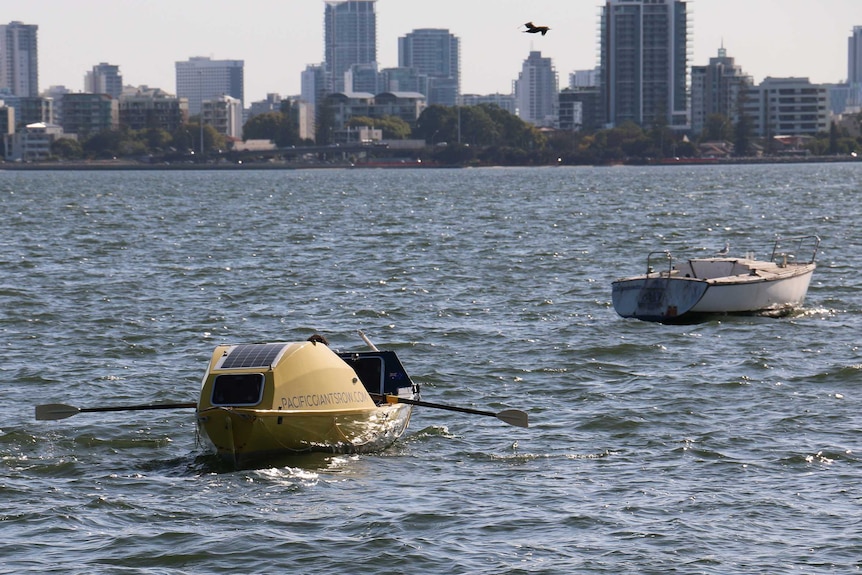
[729, 446]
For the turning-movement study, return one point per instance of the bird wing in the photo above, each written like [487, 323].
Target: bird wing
[529, 25]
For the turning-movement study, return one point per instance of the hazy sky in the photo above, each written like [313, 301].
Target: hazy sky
[277, 38]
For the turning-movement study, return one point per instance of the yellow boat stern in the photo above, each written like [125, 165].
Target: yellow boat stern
[264, 399]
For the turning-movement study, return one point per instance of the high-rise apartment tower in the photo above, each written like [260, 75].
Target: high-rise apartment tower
[716, 89]
[350, 38]
[19, 59]
[433, 52]
[104, 79]
[644, 62]
[536, 91]
[854, 56]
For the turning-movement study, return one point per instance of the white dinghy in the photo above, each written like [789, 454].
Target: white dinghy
[719, 285]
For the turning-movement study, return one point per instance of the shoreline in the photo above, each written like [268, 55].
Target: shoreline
[129, 165]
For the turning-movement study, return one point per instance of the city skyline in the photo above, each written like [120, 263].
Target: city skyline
[278, 39]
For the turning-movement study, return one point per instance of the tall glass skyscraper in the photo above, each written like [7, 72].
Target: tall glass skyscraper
[435, 53]
[200, 79]
[350, 37]
[644, 62]
[19, 59]
[104, 79]
[536, 91]
[854, 56]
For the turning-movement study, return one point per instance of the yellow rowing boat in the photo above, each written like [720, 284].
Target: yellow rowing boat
[261, 400]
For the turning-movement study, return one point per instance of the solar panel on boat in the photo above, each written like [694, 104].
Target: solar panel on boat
[253, 355]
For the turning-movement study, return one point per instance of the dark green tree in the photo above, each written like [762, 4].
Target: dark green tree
[628, 140]
[818, 146]
[273, 126]
[563, 146]
[833, 138]
[742, 137]
[214, 142]
[486, 126]
[103, 144]
[182, 139]
[393, 128]
[281, 127]
[437, 124]
[67, 149]
[660, 134]
[187, 139]
[743, 128]
[157, 140]
[455, 154]
[290, 109]
[476, 127]
[514, 132]
[325, 123]
[718, 128]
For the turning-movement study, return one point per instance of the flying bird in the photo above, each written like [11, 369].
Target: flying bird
[531, 29]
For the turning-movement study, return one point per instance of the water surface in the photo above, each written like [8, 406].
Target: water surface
[729, 446]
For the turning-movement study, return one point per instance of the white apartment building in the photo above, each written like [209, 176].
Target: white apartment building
[224, 114]
[536, 91]
[788, 107]
[33, 143]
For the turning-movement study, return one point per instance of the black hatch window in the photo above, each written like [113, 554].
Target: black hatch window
[238, 389]
[370, 372]
[379, 371]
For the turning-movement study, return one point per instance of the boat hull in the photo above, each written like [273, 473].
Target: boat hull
[671, 297]
[245, 437]
[766, 295]
[656, 299]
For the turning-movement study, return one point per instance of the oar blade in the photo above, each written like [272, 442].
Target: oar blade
[514, 417]
[50, 411]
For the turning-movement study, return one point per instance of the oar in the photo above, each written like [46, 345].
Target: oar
[367, 341]
[62, 411]
[511, 416]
